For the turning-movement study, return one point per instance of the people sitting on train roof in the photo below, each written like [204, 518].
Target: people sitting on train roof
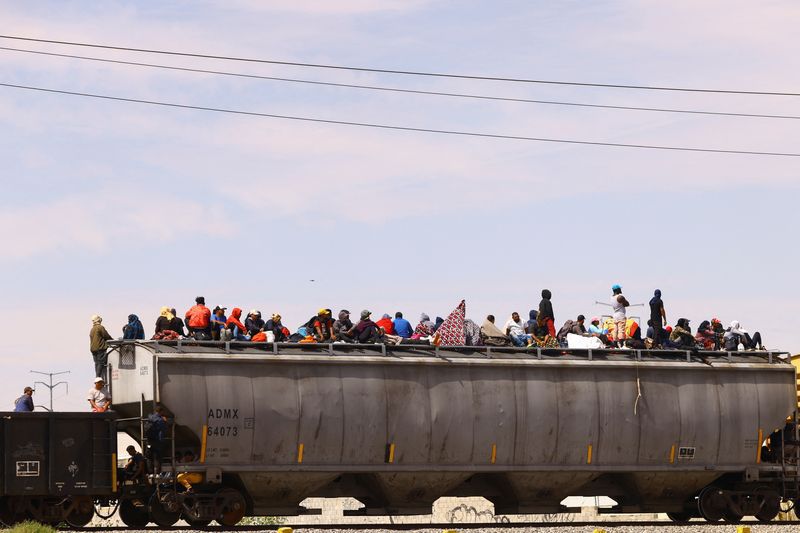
[515, 330]
[24, 404]
[322, 326]
[343, 328]
[575, 327]
[596, 330]
[491, 334]
[99, 397]
[218, 320]
[681, 336]
[424, 328]
[366, 330]
[134, 469]
[735, 335]
[274, 325]
[402, 327]
[531, 322]
[546, 312]
[238, 331]
[472, 333]
[198, 320]
[254, 323]
[386, 324]
[133, 330]
[541, 337]
[705, 336]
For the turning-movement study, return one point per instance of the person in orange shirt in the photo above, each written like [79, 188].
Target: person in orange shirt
[198, 320]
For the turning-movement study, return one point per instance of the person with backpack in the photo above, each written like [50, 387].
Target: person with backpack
[24, 404]
[155, 432]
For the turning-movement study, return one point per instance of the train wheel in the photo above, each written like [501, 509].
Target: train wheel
[132, 516]
[731, 517]
[711, 504]
[81, 513]
[679, 518]
[165, 509]
[770, 507]
[233, 506]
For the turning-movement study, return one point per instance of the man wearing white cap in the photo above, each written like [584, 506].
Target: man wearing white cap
[99, 398]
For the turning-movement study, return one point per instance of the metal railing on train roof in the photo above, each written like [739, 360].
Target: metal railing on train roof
[195, 347]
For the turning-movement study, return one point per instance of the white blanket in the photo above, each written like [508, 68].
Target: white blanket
[578, 341]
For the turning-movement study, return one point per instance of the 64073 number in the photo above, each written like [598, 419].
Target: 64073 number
[223, 431]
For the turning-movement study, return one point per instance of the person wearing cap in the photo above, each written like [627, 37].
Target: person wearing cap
[99, 398]
[402, 327]
[98, 345]
[618, 305]
[343, 328]
[276, 327]
[254, 323]
[218, 320]
[24, 404]
[322, 327]
[386, 323]
[596, 330]
[366, 330]
[198, 320]
[681, 336]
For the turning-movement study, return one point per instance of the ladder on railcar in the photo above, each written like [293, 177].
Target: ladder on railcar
[103, 438]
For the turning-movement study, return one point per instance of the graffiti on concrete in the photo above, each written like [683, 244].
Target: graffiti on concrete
[465, 514]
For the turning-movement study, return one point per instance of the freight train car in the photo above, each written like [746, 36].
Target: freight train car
[399, 427]
[55, 465]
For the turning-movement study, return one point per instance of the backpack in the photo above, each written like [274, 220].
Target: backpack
[155, 428]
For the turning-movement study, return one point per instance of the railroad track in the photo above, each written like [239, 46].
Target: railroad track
[484, 526]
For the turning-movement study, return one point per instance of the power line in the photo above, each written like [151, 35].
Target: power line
[402, 128]
[401, 72]
[408, 91]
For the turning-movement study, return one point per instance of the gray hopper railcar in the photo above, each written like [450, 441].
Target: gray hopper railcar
[399, 427]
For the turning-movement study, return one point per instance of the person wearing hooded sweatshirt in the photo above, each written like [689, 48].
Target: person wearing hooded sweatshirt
[491, 334]
[234, 324]
[386, 323]
[546, 312]
[706, 337]
[425, 326]
[658, 317]
[133, 330]
[531, 323]
[343, 328]
[681, 335]
[736, 335]
[98, 346]
[254, 323]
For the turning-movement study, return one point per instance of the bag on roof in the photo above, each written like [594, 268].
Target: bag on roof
[259, 337]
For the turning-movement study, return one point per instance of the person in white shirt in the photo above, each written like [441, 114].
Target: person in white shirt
[98, 397]
[515, 329]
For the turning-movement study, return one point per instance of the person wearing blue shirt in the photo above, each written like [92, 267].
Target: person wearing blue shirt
[402, 327]
[24, 404]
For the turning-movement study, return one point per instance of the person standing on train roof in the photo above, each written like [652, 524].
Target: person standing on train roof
[546, 312]
[658, 318]
[618, 305]
[24, 404]
[99, 398]
[198, 320]
[402, 327]
[98, 345]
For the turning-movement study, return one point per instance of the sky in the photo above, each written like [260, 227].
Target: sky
[116, 208]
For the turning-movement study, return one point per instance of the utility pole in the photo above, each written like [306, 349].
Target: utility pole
[51, 385]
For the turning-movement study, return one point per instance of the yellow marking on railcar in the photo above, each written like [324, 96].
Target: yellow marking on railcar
[391, 453]
[589, 455]
[203, 443]
[300, 448]
[758, 447]
[742, 529]
[494, 453]
[113, 472]
[672, 455]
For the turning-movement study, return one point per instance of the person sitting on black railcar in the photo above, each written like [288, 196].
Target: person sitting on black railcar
[135, 467]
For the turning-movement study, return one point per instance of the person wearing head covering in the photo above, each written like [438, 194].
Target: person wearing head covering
[322, 327]
[658, 317]
[618, 305]
[218, 321]
[133, 330]
[343, 328]
[367, 331]
[275, 325]
[736, 335]
[386, 323]
[98, 345]
[164, 319]
[235, 326]
[546, 312]
[425, 327]
[254, 323]
[472, 333]
[491, 334]
[681, 335]
[99, 397]
[706, 337]
[198, 320]
[24, 404]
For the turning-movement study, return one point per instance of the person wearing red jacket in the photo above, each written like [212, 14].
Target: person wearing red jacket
[198, 320]
[387, 324]
[236, 326]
